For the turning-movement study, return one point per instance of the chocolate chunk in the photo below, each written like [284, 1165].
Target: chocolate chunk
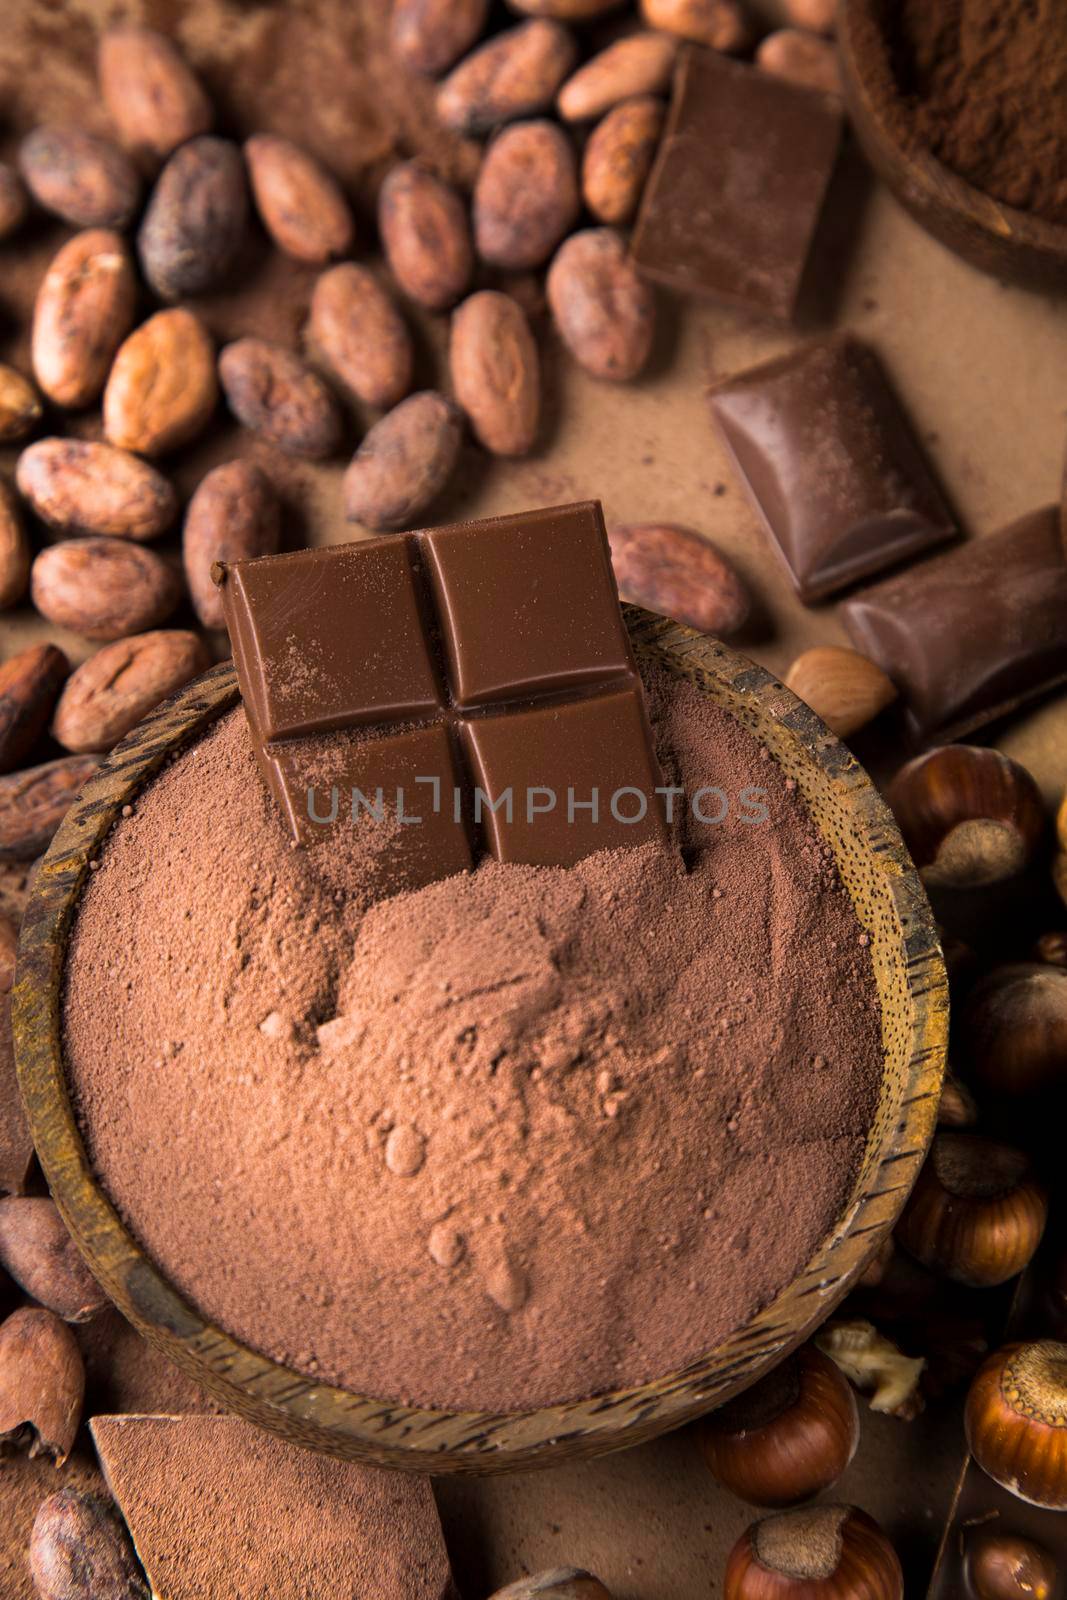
[831, 464]
[462, 687]
[739, 182]
[217, 1507]
[973, 633]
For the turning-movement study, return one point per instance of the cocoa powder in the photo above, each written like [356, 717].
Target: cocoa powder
[521, 1136]
[985, 88]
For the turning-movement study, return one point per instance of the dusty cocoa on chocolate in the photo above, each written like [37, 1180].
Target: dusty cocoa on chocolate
[524, 1135]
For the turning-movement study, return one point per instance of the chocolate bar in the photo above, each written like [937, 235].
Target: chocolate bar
[973, 633]
[479, 677]
[732, 204]
[831, 464]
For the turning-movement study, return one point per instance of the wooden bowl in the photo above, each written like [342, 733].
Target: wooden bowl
[1012, 245]
[910, 974]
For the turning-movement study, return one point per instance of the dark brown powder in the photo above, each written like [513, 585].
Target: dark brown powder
[985, 84]
[519, 1137]
[216, 1507]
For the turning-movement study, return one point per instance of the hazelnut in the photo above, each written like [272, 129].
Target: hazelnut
[842, 687]
[976, 1213]
[42, 1384]
[1013, 1029]
[1016, 1421]
[970, 817]
[957, 1108]
[818, 1553]
[789, 1437]
[1001, 1566]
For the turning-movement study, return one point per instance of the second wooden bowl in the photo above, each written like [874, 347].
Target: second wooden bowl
[889, 902]
[1012, 245]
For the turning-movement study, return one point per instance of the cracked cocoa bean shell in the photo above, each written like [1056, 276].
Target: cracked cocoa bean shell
[29, 686]
[196, 220]
[42, 1384]
[84, 309]
[78, 486]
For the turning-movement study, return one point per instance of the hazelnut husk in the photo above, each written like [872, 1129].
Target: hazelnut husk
[971, 817]
[80, 1550]
[817, 1553]
[976, 1214]
[1002, 1566]
[559, 1583]
[38, 1252]
[1016, 1421]
[42, 1384]
[789, 1437]
[1013, 1030]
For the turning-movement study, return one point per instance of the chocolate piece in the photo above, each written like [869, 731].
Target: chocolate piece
[973, 633]
[740, 179]
[217, 1507]
[831, 464]
[374, 674]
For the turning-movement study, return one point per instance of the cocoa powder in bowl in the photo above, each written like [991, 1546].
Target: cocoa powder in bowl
[521, 1137]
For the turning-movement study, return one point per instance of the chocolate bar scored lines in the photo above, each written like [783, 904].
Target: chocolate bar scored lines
[488, 658]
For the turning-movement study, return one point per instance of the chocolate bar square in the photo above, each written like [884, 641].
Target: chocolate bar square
[325, 639]
[740, 178]
[560, 781]
[974, 633]
[405, 781]
[527, 604]
[832, 465]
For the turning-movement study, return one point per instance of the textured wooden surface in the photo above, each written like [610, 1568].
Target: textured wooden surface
[891, 906]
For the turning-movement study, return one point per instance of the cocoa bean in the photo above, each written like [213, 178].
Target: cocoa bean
[429, 35]
[565, 10]
[87, 181]
[404, 463]
[273, 392]
[196, 220]
[14, 551]
[103, 588]
[29, 685]
[9, 938]
[675, 572]
[300, 203]
[152, 96]
[16, 1146]
[84, 310]
[820, 16]
[803, 58]
[20, 405]
[496, 373]
[234, 515]
[604, 312]
[77, 486]
[80, 1550]
[642, 63]
[720, 24]
[425, 236]
[356, 331]
[39, 1254]
[526, 197]
[34, 802]
[515, 75]
[162, 389]
[14, 202]
[111, 692]
[618, 158]
[42, 1384]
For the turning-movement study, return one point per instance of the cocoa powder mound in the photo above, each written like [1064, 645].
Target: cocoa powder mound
[985, 88]
[516, 1138]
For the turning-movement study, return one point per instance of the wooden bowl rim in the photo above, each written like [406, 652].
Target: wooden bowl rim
[335, 1420]
[941, 188]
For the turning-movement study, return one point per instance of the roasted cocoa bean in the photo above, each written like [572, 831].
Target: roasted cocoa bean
[233, 516]
[496, 372]
[604, 312]
[273, 392]
[34, 802]
[425, 236]
[42, 1384]
[196, 220]
[80, 1550]
[111, 692]
[163, 388]
[300, 203]
[86, 180]
[526, 197]
[356, 331]
[404, 463]
[29, 686]
[39, 1254]
[515, 75]
[152, 96]
[78, 486]
[15, 554]
[430, 35]
[20, 405]
[103, 588]
[84, 310]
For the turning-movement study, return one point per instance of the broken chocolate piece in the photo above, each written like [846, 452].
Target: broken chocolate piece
[217, 1507]
[974, 633]
[488, 651]
[738, 185]
[831, 464]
